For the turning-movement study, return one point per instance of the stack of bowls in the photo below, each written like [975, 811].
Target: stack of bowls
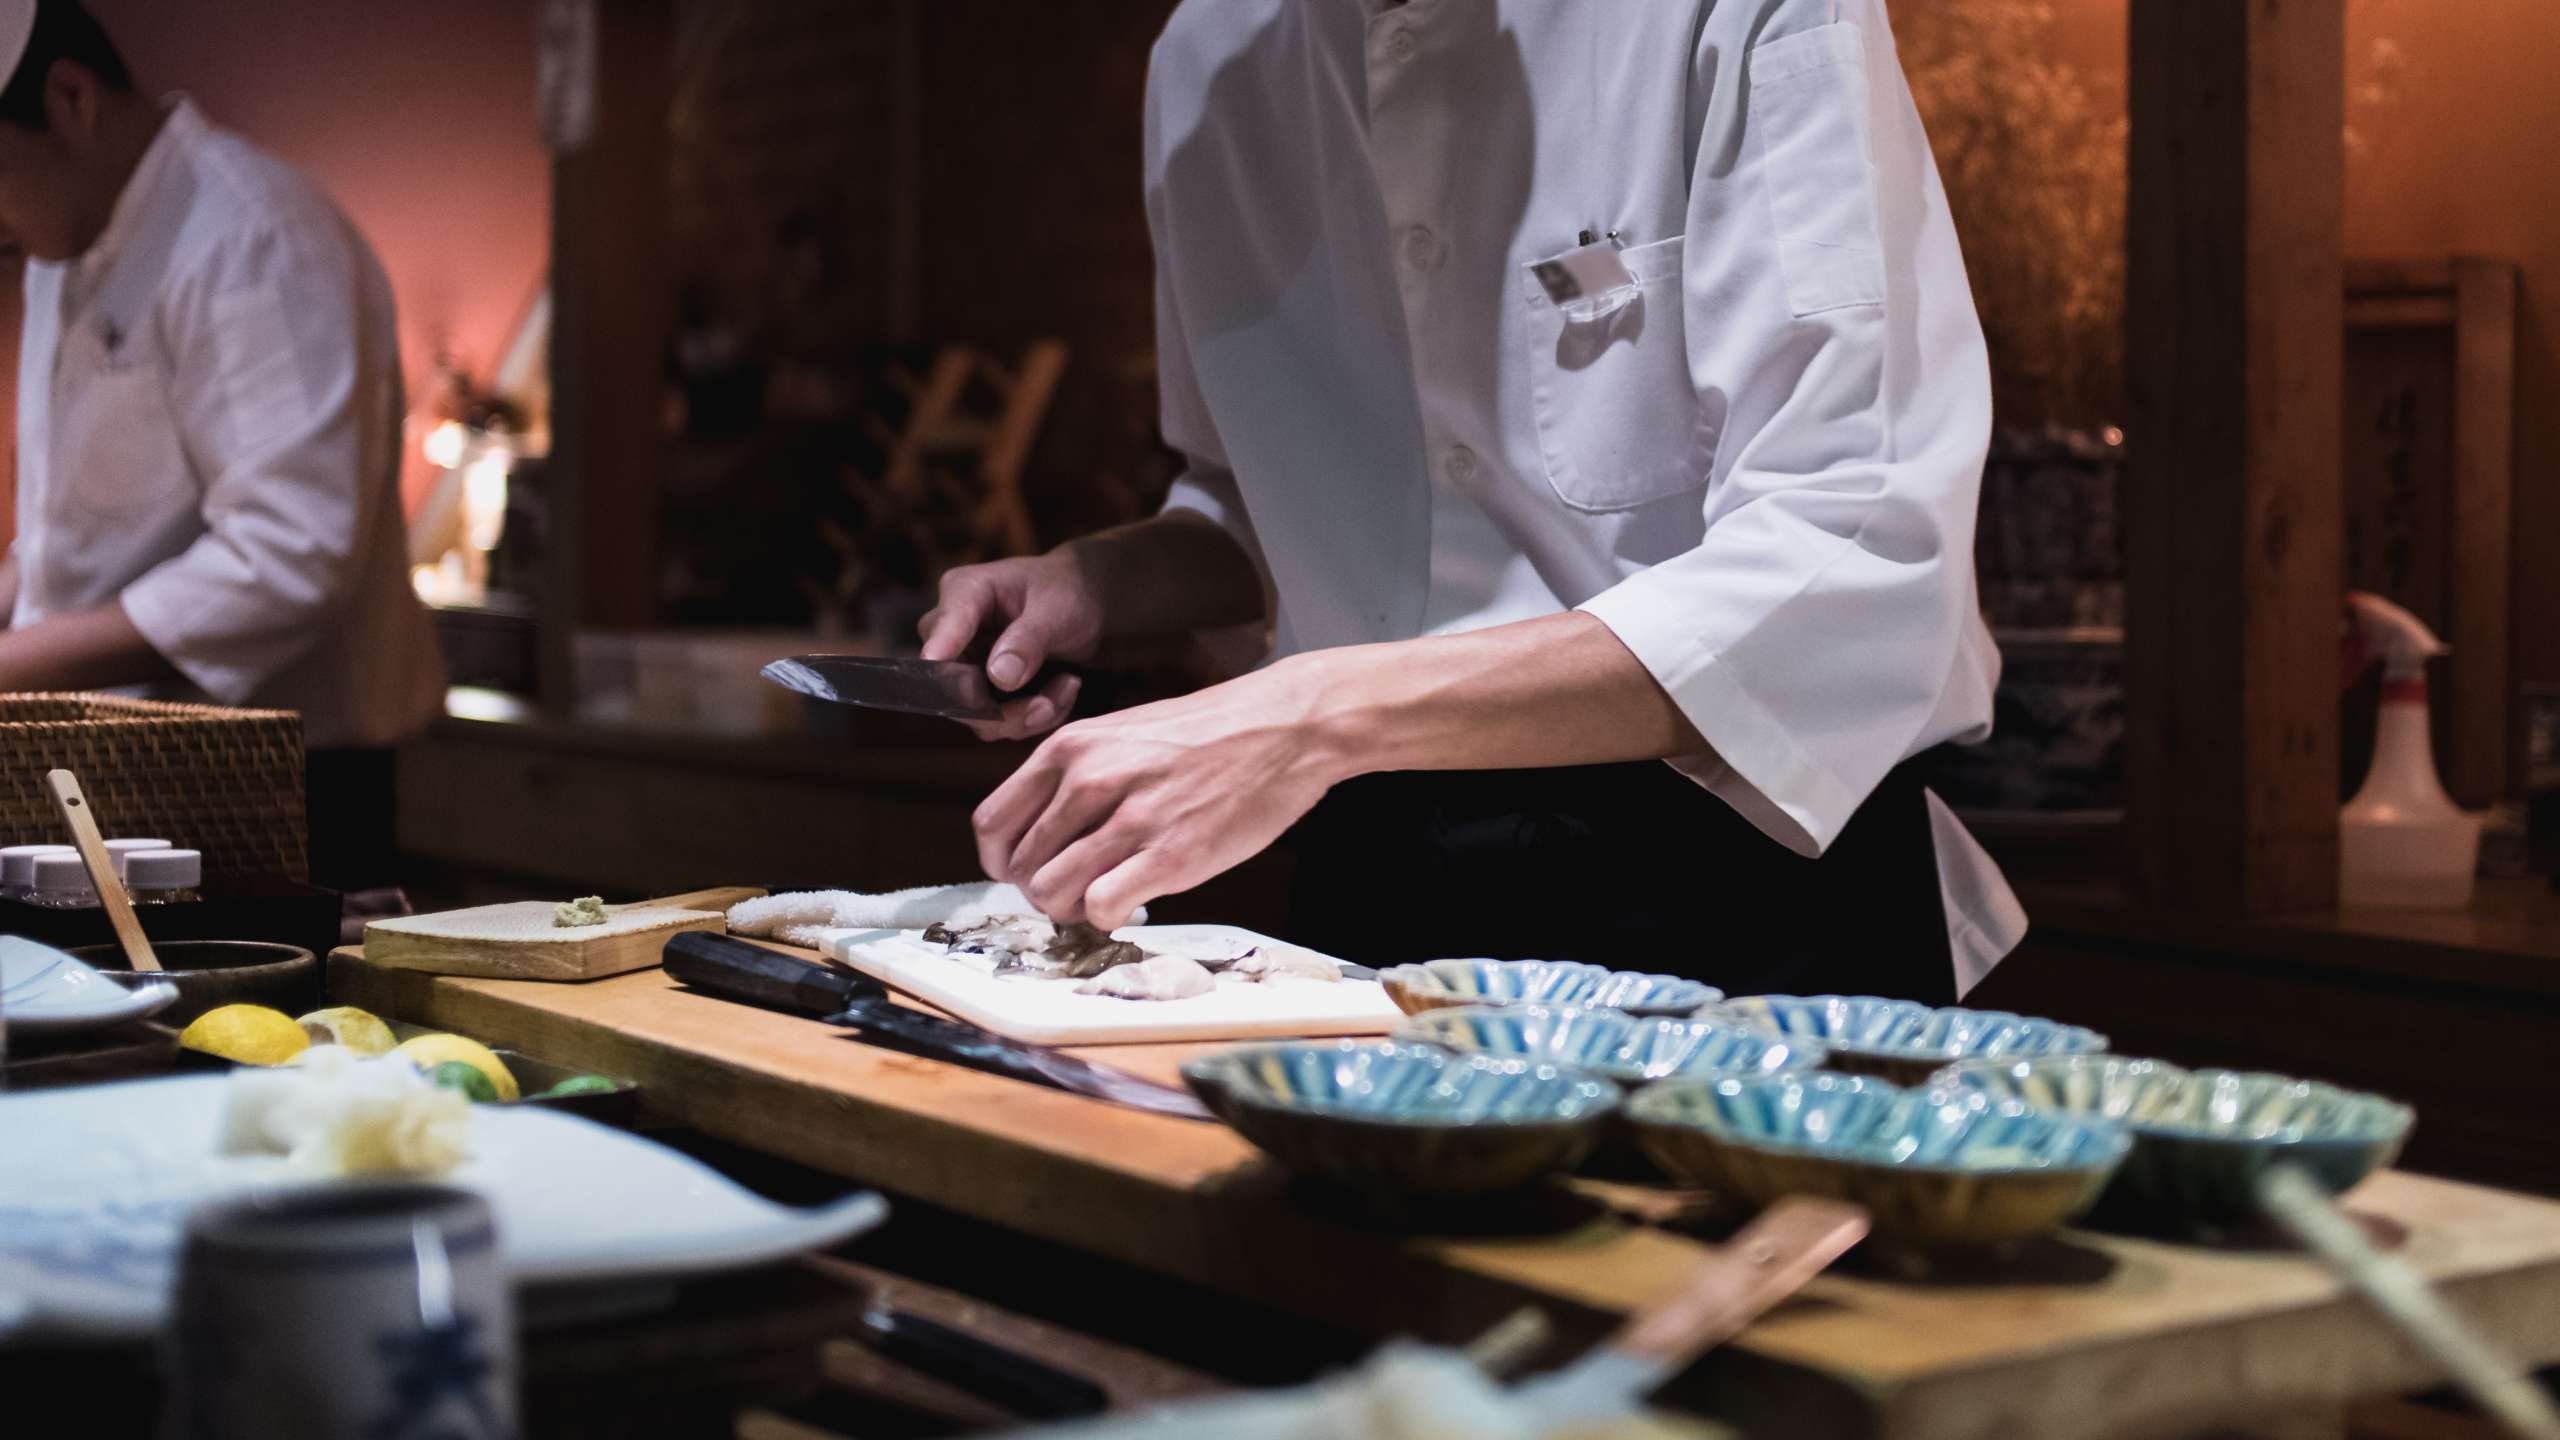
[1904, 1041]
[1944, 1167]
[2201, 1138]
[1386, 1117]
[1437, 984]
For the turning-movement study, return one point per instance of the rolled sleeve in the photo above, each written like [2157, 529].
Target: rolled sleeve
[1814, 633]
[268, 397]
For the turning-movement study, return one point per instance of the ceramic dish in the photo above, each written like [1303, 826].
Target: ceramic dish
[99, 1180]
[1629, 1049]
[1436, 984]
[1941, 1167]
[1388, 1117]
[1904, 1041]
[2202, 1138]
[46, 992]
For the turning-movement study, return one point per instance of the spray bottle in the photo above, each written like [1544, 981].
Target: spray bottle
[2402, 842]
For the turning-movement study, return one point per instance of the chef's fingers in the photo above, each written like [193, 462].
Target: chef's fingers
[1003, 816]
[1019, 651]
[1116, 895]
[958, 611]
[1077, 808]
[1036, 715]
[1059, 887]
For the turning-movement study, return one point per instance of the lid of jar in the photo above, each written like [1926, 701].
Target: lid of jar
[118, 849]
[18, 862]
[164, 870]
[66, 871]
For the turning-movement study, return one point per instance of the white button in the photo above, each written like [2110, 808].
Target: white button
[1421, 247]
[1400, 44]
[1459, 465]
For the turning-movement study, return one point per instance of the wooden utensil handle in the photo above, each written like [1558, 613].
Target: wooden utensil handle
[1770, 1259]
[65, 788]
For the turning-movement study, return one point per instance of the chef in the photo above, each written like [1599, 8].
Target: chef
[209, 420]
[1585, 411]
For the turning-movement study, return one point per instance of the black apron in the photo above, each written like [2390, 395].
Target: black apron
[1632, 866]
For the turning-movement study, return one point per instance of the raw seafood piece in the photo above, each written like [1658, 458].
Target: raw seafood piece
[1279, 962]
[1083, 952]
[1166, 977]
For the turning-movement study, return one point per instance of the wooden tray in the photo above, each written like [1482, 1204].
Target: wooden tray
[485, 942]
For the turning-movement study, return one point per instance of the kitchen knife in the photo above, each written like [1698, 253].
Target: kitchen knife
[1027, 1386]
[737, 970]
[953, 689]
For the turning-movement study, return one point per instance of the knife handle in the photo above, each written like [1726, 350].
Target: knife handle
[751, 973]
[1029, 1387]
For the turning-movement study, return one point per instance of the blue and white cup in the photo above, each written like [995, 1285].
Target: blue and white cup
[343, 1311]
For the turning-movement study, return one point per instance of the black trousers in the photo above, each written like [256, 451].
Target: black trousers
[348, 798]
[1631, 866]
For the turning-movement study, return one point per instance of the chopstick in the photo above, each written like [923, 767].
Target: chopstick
[65, 788]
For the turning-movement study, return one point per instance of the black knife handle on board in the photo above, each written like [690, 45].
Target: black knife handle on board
[740, 971]
[1029, 1387]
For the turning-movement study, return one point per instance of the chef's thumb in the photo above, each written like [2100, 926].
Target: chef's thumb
[1018, 653]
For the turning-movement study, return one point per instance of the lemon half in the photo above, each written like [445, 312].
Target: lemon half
[429, 1051]
[249, 1034]
[359, 1030]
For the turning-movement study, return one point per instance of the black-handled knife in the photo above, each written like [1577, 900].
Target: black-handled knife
[1027, 1386]
[737, 970]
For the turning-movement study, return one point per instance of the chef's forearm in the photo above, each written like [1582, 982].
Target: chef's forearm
[1169, 575]
[1560, 690]
[84, 650]
[8, 587]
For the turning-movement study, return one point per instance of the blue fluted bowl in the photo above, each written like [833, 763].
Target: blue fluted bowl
[1630, 1049]
[1390, 1117]
[2201, 1138]
[1905, 1041]
[1437, 984]
[1938, 1167]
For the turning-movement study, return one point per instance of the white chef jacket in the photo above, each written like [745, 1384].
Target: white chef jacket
[1757, 464]
[209, 419]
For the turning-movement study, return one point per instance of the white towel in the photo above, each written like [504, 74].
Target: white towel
[812, 917]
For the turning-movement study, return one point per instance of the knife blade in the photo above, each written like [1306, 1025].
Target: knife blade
[736, 970]
[953, 689]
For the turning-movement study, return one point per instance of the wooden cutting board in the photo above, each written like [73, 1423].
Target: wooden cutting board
[518, 941]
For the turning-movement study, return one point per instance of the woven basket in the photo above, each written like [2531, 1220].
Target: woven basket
[226, 782]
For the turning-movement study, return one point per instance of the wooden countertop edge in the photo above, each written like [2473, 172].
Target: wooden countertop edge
[1234, 1226]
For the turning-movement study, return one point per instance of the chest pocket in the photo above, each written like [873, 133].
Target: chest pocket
[115, 451]
[1617, 414]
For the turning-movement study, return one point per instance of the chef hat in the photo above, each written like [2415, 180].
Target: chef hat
[17, 25]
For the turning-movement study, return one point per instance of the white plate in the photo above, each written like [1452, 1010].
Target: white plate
[97, 1182]
[45, 992]
[1050, 1012]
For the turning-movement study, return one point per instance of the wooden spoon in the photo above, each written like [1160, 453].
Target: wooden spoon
[102, 869]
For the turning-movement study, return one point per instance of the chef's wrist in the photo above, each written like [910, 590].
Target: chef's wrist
[1339, 701]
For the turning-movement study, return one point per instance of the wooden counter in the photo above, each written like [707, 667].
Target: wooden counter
[2088, 1335]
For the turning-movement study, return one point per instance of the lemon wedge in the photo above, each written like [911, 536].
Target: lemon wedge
[429, 1051]
[359, 1030]
[249, 1034]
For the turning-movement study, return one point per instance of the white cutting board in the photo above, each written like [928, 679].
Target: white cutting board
[1050, 1012]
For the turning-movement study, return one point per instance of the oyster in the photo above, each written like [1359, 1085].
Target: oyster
[1165, 977]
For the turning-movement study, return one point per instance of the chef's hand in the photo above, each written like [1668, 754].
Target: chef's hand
[1048, 609]
[1114, 811]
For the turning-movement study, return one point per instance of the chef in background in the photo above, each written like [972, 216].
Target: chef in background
[209, 422]
[1566, 389]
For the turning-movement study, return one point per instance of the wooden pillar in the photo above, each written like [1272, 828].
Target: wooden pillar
[608, 79]
[2234, 544]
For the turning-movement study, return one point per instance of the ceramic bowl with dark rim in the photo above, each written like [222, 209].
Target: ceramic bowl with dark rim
[1632, 1050]
[1387, 1117]
[1935, 1168]
[1440, 984]
[210, 974]
[2202, 1138]
[1904, 1041]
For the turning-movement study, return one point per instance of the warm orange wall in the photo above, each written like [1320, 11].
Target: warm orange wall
[417, 115]
[2455, 154]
